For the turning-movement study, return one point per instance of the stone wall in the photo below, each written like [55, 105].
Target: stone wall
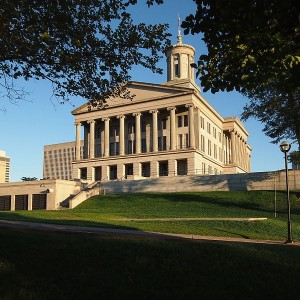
[229, 182]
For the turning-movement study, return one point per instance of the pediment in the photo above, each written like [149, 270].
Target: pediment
[142, 92]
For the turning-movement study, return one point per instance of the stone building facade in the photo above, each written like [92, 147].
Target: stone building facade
[167, 129]
[57, 163]
[4, 167]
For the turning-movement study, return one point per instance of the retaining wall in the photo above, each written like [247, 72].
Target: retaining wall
[229, 182]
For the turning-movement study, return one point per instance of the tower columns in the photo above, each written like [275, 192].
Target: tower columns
[137, 132]
[78, 139]
[92, 139]
[172, 128]
[122, 134]
[154, 113]
[106, 136]
[191, 125]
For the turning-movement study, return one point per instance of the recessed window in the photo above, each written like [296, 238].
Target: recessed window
[179, 121]
[186, 120]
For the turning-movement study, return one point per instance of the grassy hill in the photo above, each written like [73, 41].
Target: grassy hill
[48, 265]
[118, 210]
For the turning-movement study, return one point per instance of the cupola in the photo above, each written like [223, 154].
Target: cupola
[180, 58]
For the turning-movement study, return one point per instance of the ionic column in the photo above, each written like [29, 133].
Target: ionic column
[191, 125]
[227, 151]
[106, 136]
[172, 127]
[198, 131]
[78, 140]
[137, 132]
[154, 130]
[172, 75]
[92, 138]
[240, 150]
[122, 134]
[233, 141]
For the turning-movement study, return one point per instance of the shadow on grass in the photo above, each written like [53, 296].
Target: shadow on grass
[234, 233]
[13, 216]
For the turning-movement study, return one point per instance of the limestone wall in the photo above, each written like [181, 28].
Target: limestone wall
[229, 182]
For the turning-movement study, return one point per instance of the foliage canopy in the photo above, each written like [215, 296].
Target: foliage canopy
[250, 43]
[85, 48]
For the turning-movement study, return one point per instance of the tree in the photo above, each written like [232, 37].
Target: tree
[28, 178]
[254, 48]
[279, 111]
[250, 43]
[84, 48]
[294, 157]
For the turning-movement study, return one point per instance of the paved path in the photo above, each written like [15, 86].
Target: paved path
[192, 219]
[131, 233]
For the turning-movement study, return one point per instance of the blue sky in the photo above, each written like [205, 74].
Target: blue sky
[28, 126]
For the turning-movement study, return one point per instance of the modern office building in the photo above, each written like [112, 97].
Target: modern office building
[57, 160]
[4, 167]
[167, 129]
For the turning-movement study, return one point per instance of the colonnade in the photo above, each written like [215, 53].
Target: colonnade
[138, 118]
[235, 150]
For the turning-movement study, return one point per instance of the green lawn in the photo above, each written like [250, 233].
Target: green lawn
[107, 211]
[47, 265]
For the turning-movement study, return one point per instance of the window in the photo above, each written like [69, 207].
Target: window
[117, 147]
[159, 124]
[143, 126]
[215, 151]
[208, 127]
[179, 121]
[111, 131]
[180, 142]
[112, 148]
[98, 133]
[214, 132]
[98, 150]
[117, 130]
[202, 122]
[202, 147]
[164, 123]
[144, 146]
[176, 65]
[186, 120]
[131, 146]
[131, 127]
[162, 143]
[209, 147]
[203, 168]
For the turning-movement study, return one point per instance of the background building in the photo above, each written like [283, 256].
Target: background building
[4, 167]
[57, 160]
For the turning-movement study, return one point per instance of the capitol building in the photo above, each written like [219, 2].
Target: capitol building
[168, 129]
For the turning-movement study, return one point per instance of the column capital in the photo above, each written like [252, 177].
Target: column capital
[105, 119]
[137, 114]
[77, 123]
[91, 121]
[171, 108]
[190, 105]
[153, 111]
[121, 117]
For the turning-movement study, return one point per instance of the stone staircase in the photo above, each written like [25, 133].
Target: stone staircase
[87, 192]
